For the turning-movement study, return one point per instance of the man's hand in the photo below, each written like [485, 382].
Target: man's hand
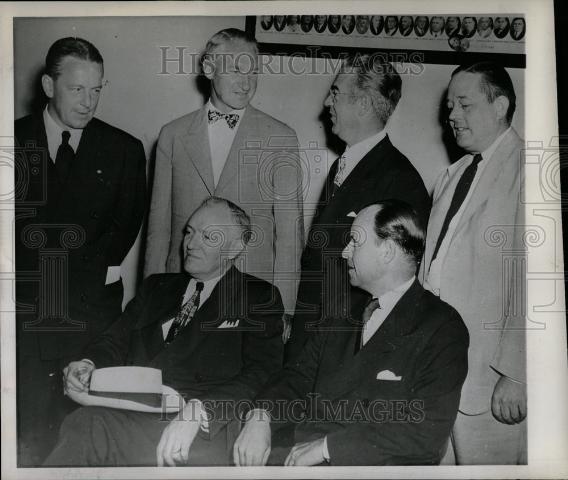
[178, 436]
[252, 446]
[509, 401]
[77, 376]
[306, 454]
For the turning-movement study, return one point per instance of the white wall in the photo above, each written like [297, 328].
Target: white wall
[140, 100]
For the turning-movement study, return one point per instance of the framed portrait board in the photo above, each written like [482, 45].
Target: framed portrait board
[443, 39]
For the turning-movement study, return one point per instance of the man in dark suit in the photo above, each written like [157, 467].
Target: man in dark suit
[361, 99]
[226, 351]
[79, 206]
[381, 391]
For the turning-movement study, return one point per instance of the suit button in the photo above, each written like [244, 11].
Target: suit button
[94, 215]
[198, 378]
[85, 258]
[83, 297]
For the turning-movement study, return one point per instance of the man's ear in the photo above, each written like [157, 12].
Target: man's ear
[501, 105]
[365, 103]
[209, 68]
[389, 250]
[47, 84]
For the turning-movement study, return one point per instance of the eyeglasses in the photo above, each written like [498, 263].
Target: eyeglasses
[333, 93]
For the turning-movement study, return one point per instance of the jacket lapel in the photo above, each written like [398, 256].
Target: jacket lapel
[491, 176]
[231, 167]
[196, 144]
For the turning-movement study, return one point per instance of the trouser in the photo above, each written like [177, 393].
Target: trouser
[99, 436]
[482, 440]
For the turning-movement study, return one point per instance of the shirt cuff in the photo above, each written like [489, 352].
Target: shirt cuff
[88, 361]
[258, 413]
[325, 451]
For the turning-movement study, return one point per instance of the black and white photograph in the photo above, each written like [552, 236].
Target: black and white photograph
[249, 243]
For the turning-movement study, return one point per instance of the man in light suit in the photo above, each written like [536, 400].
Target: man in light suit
[230, 149]
[80, 200]
[227, 350]
[381, 391]
[361, 100]
[474, 197]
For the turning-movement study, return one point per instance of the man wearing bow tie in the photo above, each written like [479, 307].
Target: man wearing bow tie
[214, 332]
[361, 100]
[230, 149]
[380, 386]
[81, 196]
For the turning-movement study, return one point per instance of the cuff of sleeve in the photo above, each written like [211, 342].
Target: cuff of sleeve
[88, 361]
[258, 414]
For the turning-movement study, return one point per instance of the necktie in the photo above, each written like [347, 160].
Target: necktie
[185, 314]
[231, 118]
[64, 158]
[367, 313]
[339, 174]
[460, 193]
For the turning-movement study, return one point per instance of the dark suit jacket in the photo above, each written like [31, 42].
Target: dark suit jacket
[204, 361]
[93, 218]
[384, 173]
[368, 419]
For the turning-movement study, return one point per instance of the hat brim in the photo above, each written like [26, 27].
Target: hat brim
[172, 401]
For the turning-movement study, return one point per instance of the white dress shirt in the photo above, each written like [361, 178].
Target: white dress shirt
[434, 274]
[53, 132]
[354, 154]
[387, 302]
[208, 287]
[221, 138]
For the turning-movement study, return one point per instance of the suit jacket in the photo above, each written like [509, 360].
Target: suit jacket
[203, 361]
[478, 277]
[384, 173]
[391, 403]
[86, 224]
[262, 175]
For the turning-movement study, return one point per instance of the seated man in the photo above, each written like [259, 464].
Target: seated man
[384, 391]
[214, 332]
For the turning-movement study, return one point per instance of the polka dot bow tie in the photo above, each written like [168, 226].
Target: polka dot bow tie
[231, 118]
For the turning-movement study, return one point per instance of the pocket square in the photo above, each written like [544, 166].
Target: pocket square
[351, 214]
[230, 324]
[388, 375]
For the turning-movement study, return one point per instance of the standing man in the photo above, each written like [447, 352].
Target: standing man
[479, 193]
[215, 334]
[230, 149]
[383, 391]
[361, 100]
[76, 220]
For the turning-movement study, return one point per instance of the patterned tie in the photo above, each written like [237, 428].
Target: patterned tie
[462, 188]
[65, 156]
[367, 313]
[339, 175]
[231, 118]
[185, 314]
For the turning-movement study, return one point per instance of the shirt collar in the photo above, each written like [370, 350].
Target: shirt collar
[360, 149]
[53, 132]
[208, 286]
[488, 152]
[389, 299]
[209, 106]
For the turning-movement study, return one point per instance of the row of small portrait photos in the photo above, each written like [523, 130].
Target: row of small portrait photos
[436, 26]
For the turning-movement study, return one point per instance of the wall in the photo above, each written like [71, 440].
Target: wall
[139, 99]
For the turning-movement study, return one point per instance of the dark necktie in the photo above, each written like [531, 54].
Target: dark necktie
[367, 313]
[462, 188]
[64, 158]
[185, 314]
[231, 118]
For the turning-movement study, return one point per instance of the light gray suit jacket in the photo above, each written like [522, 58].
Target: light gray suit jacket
[262, 175]
[481, 277]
